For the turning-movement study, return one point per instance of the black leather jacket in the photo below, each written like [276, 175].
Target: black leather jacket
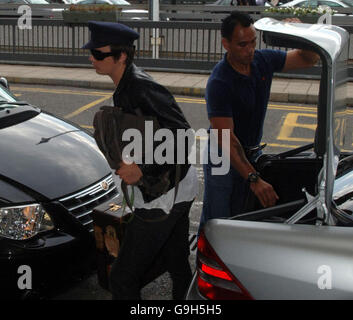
[137, 89]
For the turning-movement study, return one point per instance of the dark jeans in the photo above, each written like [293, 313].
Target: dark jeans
[224, 195]
[151, 248]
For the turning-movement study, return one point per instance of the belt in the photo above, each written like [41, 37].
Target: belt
[249, 150]
[252, 150]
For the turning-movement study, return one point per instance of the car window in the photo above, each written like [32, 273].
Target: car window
[120, 2]
[226, 3]
[329, 3]
[5, 95]
[342, 122]
[16, 1]
[38, 1]
[348, 2]
[13, 111]
[94, 2]
[310, 3]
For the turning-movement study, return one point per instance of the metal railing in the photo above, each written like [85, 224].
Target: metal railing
[166, 45]
[191, 45]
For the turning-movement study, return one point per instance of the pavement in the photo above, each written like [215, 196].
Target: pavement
[283, 89]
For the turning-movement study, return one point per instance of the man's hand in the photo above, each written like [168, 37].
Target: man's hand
[293, 20]
[299, 58]
[264, 192]
[129, 173]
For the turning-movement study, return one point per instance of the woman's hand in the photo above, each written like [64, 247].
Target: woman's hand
[129, 173]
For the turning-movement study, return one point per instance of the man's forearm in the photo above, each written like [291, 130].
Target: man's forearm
[309, 56]
[238, 159]
[262, 190]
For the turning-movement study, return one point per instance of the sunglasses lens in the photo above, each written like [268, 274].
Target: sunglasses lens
[98, 55]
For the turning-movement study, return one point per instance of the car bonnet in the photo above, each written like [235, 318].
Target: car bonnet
[50, 156]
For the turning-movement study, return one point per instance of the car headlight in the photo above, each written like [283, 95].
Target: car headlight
[24, 222]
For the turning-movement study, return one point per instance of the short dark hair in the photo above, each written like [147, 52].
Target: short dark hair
[231, 21]
[117, 49]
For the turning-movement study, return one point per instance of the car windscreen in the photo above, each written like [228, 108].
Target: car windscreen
[13, 111]
[38, 1]
[16, 112]
[342, 113]
[6, 95]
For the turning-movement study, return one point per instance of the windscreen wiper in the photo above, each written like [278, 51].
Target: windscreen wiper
[10, 106]
[10, 115]
[14, 103]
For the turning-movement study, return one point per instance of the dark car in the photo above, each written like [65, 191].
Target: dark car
[52, 175]
[39, 9]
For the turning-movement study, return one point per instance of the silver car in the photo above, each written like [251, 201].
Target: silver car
[301, 248]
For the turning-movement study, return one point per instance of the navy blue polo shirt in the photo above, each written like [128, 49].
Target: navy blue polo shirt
[244, 98]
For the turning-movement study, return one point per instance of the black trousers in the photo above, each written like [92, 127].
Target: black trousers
[150, 248]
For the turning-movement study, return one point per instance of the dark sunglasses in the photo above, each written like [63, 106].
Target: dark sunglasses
[99, 55]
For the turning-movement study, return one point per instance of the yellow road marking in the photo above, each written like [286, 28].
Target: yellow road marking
[178, 99]
[187, 100]
[280, 145]
[286, 130]
[291, 122]
[85, 107]
[105, 93]
[62, 91]
[270, 106]
[291, 108]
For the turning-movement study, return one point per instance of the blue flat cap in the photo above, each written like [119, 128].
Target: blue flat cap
[106, 33]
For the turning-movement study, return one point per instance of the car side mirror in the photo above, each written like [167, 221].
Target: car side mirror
[4, 82]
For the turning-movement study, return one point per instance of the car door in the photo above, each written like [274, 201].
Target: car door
[308, 3]
[331, 4]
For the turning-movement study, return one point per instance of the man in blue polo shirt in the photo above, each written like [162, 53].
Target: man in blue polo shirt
[237, 94]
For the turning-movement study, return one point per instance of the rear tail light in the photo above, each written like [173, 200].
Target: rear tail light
[214, 279]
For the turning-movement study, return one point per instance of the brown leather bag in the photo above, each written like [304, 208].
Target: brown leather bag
[109, 125]
[110, 222]
[109, 226]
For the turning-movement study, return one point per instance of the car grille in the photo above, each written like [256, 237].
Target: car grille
[81, 204]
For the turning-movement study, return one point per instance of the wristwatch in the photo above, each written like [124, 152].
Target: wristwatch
[253, 177]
